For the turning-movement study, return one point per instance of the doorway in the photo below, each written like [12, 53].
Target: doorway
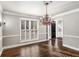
[53, 29]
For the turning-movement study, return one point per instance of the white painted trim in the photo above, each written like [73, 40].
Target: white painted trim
[27, 19]
[71, 47]
[20, 29]
[23, 44]
[1, 52]
[8, 12]
[29, 30]
[18, 35]
[49, 32]
[73, 36]
[25, 30]
[38, 29]
[49, 37]
[66, 13]
[11, 13]
[43, 33]
[1, 20]
[10, 36]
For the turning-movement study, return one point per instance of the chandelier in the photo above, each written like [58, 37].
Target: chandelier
[46, 20]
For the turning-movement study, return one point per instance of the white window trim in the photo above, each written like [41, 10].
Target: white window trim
[29, 29]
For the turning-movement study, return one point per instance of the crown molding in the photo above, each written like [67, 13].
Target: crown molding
[7, 12]
[66, 13]
[66, 8]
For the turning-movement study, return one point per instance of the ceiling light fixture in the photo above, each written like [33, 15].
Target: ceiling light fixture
[46, 20]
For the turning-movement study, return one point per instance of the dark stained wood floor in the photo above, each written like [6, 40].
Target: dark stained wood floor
[43, 49]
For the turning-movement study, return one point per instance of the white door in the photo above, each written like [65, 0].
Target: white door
[29, 29]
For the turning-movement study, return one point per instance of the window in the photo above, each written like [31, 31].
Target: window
[29, 29]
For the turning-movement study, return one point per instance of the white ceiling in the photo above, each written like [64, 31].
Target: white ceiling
[31, 7]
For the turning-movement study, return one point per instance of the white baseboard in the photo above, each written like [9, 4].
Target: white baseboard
[1, 52]
[12, 46]
[77, 49]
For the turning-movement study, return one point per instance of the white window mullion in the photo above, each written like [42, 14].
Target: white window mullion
[34, 31]
[38, 30]
[29, 30]
[20, 29]
[25, 30]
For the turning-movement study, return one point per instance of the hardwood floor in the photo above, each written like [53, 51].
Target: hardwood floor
[43, 49]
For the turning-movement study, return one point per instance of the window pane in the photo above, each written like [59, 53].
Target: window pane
[27, 24]
[22, 35]
[32, 34]
[27, 35]
[32, 24]
[35, 25]
[22, 24]
[35, 34]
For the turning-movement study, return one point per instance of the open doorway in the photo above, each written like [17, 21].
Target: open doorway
[53, 32]
[53, 29]
[57, 33]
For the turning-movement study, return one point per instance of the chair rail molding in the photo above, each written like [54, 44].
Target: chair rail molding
[73, 36]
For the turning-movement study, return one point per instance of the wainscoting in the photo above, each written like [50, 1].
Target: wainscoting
[41, 49]
[71, 41]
